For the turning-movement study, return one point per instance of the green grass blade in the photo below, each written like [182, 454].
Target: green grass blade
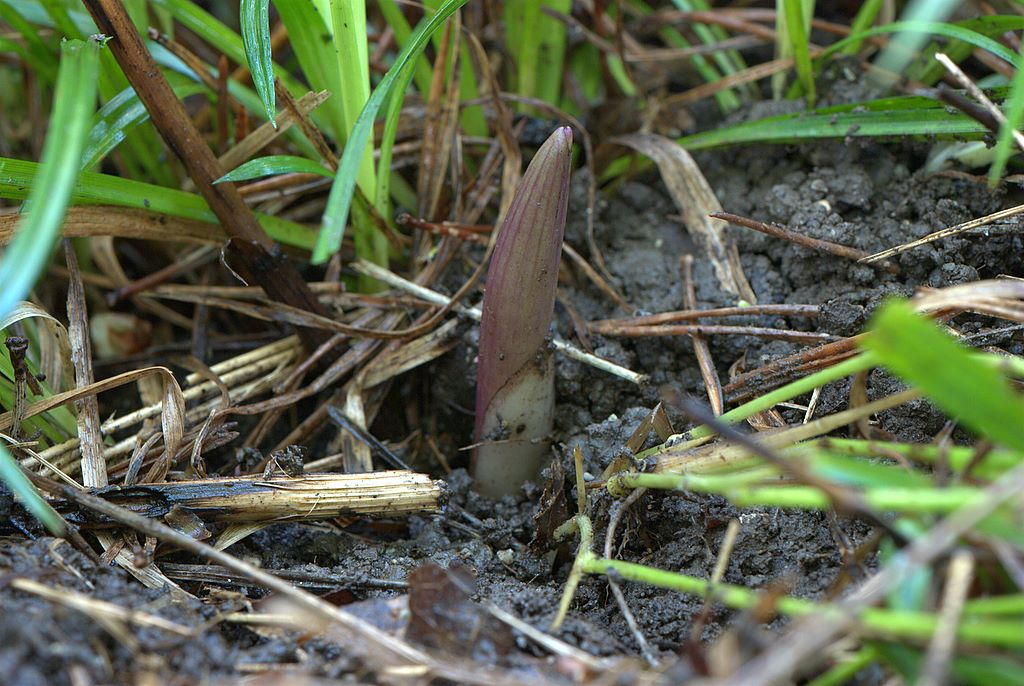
[273, 165]
[348, 21]
[74, 100]
[898, 54]
[37, 54]
[16, 176]
[400, 25]
[1005, 145]
[214, 32]
[971, 391]
[729, 61]
[900, 116]
[526, 35]
[796, 15]
[955, 31]
[866, 16]
[254, 17]
[307, 29]
[551, 55]
[123, 113]
[11, 474]
[339, 201]
[727, 100]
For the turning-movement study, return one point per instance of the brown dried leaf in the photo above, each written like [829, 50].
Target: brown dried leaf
[441, 615]
[553, 510]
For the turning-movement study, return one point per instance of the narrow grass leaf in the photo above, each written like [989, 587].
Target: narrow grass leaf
[797, 43]
[955, 31]
[900, 116]
[307, 29]
[254, 17]
[17, 176]
[727, 100]
[862, 22]
[1014, 118]
[339, 201]
[974, 393]
[214, 32]
[74, 100]
[123, 113]
[394, 17]
[273, 165]
[36, 54]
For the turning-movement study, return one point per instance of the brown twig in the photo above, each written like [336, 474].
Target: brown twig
[806, 241]
[260, 255]
[599, 325]
[777, 372]
[716, 330]
[712, 383]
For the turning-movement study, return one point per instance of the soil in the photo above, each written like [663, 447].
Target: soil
[864, 194]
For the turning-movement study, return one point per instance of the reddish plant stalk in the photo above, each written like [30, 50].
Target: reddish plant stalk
[515, 395]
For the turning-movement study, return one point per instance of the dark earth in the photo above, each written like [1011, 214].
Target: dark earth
[865, 194]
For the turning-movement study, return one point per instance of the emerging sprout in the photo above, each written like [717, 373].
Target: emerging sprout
[515, 392]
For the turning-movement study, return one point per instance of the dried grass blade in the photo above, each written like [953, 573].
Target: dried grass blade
[59, 399]
[695, 200]
[125, 222]
[94, 468]
[439, 123]
[52, 336]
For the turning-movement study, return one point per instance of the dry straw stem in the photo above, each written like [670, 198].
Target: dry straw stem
[303, 498]
[244, 376]
[686, 458]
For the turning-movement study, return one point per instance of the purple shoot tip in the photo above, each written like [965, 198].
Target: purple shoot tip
[515, 379]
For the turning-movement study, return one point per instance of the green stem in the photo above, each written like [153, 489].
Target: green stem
[898, 623]
[584, 555]
[787, 392]
[958, 458]
[844, 672]
[890, 499]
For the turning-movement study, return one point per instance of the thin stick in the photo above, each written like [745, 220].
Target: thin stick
[712, 384]
[617, 511]
[368, 633]
[943, 644]
[945, 233]
[567, 349]
[978, 95]
[806, 241]
[717, 330]
[598, 325]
